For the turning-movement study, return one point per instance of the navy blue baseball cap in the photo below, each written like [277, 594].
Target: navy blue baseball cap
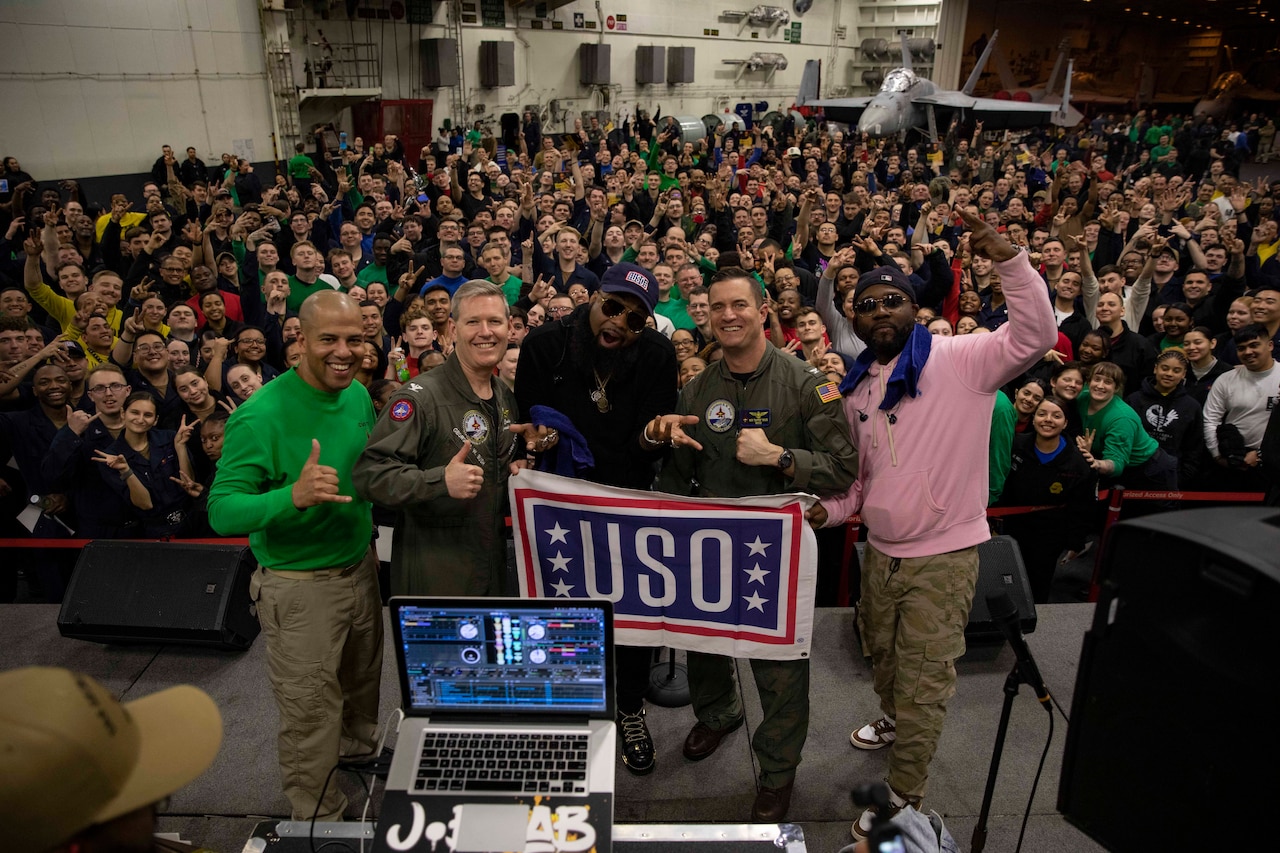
[889, 275]
[633, 279]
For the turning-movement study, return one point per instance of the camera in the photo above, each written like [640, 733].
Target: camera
[885, 836]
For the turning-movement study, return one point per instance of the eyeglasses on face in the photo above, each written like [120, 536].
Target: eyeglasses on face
[147, 349]
[612, 308]
[891, 301]
[114, 388]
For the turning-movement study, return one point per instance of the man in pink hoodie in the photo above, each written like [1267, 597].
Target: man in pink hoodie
[919, 408]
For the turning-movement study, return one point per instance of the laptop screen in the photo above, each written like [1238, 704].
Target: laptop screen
[514, 657]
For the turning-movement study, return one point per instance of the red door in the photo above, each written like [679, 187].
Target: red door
[408, 119]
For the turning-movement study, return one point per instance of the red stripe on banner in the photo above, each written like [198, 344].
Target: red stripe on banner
[623, 622]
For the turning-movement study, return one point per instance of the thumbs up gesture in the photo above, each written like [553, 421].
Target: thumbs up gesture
[317, 483]
[463, 480]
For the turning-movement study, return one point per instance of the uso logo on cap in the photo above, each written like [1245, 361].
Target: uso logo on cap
[640, 280]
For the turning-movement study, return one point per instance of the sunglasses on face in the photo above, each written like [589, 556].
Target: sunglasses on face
[612, 308]
[891, 302]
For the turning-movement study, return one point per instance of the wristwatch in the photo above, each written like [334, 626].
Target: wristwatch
[785, 460]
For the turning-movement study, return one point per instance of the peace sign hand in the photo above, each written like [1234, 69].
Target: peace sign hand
[183, 434]
[190, 486]
[114, 461]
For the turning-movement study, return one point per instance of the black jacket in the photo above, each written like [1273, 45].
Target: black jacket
[549, 375]
[1066, 481]
[1175, 423]
[1199, 388]
[1134, 355]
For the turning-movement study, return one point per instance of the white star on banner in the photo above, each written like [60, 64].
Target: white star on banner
[755, 602]
[756, 575]
[559, 563]
[563, 589]
[758, 547]
[557, 534]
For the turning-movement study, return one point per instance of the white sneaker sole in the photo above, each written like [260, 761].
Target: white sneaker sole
[868, 745]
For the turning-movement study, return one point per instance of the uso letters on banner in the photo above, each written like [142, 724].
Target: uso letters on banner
[733, 577]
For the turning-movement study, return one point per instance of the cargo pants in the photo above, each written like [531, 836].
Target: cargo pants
[324, 655]
[913, 614]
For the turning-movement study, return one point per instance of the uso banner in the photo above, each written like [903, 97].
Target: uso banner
[732, 577]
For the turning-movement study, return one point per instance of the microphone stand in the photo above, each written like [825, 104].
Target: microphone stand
[979, 840]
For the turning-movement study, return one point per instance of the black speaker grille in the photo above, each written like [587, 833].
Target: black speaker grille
[151, 591]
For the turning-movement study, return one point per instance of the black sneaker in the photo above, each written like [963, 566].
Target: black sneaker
[638, 752]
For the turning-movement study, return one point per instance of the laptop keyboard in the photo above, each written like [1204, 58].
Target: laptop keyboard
[517, 763]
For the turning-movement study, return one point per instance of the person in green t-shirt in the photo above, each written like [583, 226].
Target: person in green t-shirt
[300, 165]
[377, 271]
[669, 306]
[496, 260]
[285, 480]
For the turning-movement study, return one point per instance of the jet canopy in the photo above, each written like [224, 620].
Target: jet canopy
[899, 80]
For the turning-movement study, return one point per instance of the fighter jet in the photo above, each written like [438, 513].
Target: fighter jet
[908, 102]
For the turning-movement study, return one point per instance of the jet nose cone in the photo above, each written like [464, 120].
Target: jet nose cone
[878, 120]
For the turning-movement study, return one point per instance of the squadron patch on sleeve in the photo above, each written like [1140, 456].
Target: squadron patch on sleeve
[401, 410]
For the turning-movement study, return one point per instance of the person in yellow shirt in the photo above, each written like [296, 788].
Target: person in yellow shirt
[106, 286]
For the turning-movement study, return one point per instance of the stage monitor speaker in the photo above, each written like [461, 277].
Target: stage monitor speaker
[1000, 569]
[161, 592]
[1180, 659]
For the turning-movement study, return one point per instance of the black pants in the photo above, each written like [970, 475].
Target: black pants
[1041, 537]
[634, 664]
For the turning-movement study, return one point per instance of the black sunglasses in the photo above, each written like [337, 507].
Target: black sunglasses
[613, 307]
[891, 301]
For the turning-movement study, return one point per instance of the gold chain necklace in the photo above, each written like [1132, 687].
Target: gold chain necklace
[599, 396]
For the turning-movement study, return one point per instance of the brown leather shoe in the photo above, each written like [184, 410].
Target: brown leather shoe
[704, 740]
[772, 803]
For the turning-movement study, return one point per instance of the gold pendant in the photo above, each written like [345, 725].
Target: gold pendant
[601, 400]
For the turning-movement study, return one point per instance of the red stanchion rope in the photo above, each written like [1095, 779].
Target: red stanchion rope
[993, 512]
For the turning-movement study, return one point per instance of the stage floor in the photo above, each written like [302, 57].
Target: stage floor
[220, 809]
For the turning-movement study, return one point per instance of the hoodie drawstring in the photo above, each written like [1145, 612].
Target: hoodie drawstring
[888, 427]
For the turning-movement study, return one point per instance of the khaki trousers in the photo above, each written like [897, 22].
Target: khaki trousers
[324, 652]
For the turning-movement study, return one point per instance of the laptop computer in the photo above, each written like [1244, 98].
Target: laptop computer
[509, 737]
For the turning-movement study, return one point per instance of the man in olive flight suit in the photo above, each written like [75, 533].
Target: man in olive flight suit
[758, 422]
[440, 456]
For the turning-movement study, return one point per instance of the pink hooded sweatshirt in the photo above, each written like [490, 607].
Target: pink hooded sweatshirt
[922, 467]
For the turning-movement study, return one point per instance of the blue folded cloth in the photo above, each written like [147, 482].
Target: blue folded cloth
[905, 378]
[571, 456]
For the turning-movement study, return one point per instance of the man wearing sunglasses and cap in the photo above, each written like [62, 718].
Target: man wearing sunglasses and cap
[83, 772]
[919, 408]
[604, 370]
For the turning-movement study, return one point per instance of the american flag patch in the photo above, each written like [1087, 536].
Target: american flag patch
[828, 392]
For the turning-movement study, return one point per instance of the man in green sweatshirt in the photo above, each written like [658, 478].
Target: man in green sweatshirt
[285, 480]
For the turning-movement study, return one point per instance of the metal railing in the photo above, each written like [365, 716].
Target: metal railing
[342, 66]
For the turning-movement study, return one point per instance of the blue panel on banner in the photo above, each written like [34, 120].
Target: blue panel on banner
[746, 112]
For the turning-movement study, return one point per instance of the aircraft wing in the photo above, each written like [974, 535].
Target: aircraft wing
[961, 101]
[995, 113]
[841, 109]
